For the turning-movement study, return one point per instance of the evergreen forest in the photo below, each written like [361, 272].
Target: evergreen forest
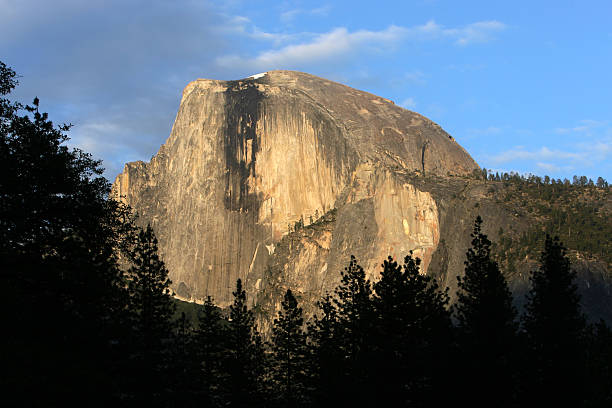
[89, 316]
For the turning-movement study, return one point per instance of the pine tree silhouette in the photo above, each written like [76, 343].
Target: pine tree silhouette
[291, 358]
[208, 342]
[326, 362]
[555, 328]
[244, 358]
[58, 235]
[152, 309]
[355, 318]
[487, 325]
[413, 332]
[149, 288]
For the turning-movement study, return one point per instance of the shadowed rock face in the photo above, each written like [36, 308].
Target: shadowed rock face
[248, 159]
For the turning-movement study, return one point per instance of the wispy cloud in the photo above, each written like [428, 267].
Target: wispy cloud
[339, 43]
[415, 77]
[594, 155]
[540, 155]
[120, 79]
[289, 15]
[480, 32]
[408, 103]
[242, 26]
[586, 146]
[550, 168]
[584, 126]
[335, 44]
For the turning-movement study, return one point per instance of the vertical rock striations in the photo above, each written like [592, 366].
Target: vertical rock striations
[247, 160]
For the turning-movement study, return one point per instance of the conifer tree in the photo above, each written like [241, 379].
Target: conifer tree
[354, 308]
[341, 341]
[393, 342]
[184, 385]
[244, 353]
[57, 228]
[58, 234]
[555, 328]
[355, 318]
[209, 352]
[326, 362]
[413, 332]
[149, 288]
[291, 369]
[152, 309]
[487, 324]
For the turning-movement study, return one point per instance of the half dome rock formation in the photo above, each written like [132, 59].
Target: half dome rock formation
[278, 178]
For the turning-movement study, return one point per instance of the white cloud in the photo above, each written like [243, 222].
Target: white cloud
[289, 15]
[584, 126]
[595, 155]
[243, 26]
[415, 77]
[586, 146]
[119, 80]
[479, 32]
[408, 103]
[339, 43]
[552, 168]
[332, 45]
[434, 111]
[540, 155]
[598, 150]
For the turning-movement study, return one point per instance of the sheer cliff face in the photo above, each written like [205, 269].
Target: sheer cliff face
[247, 159]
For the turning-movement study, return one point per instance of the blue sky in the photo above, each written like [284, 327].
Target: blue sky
[524, 86]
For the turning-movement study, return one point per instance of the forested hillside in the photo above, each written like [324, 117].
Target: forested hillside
[577, 212]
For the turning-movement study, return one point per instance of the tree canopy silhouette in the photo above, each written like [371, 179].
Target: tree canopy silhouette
[244, 352]
[209, 347]
[149, 290]
[413, 334]
[291, 370]
[555, 326]
[58, 238]
[486, 323]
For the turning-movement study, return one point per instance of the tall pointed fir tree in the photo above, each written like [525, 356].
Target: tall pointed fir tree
[555, 328]
[209, 353]
[244, 353]
[487, 326]
[326, 363]
[291, 371]
[152, 307]
[413, 335]
[355, 318]
[182, 370]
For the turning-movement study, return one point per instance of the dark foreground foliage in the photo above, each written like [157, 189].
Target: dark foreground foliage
[89, 318]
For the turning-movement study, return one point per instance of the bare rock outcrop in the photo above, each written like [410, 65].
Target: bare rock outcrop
[247, 160]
